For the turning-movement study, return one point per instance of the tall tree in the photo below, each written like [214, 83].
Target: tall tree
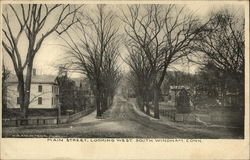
[66, 93]
[223, 42]
[164, 33]
[140, 76]
[223, 45]
[31, 20]
[93, 51]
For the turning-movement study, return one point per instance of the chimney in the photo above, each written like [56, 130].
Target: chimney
[34, 72]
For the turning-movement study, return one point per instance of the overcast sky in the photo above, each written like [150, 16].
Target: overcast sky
[51, 54]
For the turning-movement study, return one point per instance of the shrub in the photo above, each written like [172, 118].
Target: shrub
[183, 102]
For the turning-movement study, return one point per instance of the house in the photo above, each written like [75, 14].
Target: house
[83, 88]
[43, 92]
[75, 95]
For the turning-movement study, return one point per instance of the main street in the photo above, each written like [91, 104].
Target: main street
[123, 120]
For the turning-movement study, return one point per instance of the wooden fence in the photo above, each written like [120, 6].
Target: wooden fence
[46, 120]
[232, 120]
[168, 113]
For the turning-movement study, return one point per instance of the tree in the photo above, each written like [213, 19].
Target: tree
[93, 51]
[164, 34]
[111, 74]
[140, 76]
[66, 93]
[31, 20]
[210, 78]
[223, 45]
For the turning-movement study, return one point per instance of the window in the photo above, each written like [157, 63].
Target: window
[17, 100]
[55, 89]
[40, 88]
[52, 89]
[52, 101]
[40, 100]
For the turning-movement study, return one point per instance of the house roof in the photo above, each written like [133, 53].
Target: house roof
[36, 79]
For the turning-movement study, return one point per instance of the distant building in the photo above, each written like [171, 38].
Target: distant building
[233, 99]
[82, 85]
[174, 91]
[84, 89]
[43, 92]
[75, 93]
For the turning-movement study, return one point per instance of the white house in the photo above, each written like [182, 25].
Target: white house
[43, 92]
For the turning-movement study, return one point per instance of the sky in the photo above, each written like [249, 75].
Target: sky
[51, 54]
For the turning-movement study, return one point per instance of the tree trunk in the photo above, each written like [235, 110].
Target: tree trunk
[21, 94]
[21, 90]
[112, 100]
[104, 103]
[4, 97]
[147, 108]
[27, 88]
[147, 103]
[140, 102]
[109, 102]
[98, 98]
[156, 102]
[96, 93]
[98, 105]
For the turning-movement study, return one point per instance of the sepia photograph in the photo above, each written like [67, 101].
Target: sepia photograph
[117, 70]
